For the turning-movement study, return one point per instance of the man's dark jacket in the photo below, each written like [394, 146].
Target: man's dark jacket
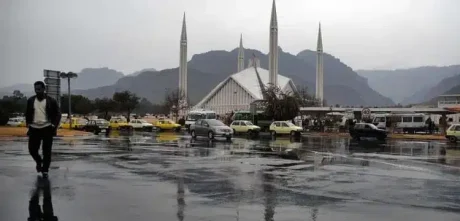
[52, 111]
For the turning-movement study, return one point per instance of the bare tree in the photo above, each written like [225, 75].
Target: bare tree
[307, 100]
[176, 102]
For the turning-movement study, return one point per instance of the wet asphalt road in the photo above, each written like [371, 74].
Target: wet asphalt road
[170, 177]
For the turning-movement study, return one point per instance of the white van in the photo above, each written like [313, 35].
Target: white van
[199, 114]
[408, 122]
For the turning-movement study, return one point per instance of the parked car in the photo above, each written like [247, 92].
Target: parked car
[244, 126]
[453, 133]
[118, 123]
[77, 123]
[97, 126]
[15, 122]
[367, 130]
[139, 124]
[284, 127]
[211, 128]
[167, 125]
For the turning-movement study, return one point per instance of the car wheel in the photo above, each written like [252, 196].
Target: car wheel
[229, 138]
[273, 133]
[249, 133]
[381, 138]
[234, 131]
[292, 133]
[193, 134]
[453, 139]
[210, 135]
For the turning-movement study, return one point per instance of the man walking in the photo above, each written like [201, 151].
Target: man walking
[42, 118]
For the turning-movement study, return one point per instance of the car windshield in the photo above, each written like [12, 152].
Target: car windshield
[142, 121]
[198, 116]
[248, 123]
[215, 123]
[373, 126]
[195, 116]
[101, 122]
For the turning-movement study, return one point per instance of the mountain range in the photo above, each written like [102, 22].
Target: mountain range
[87, 78]
[413, 85]
[342, 85]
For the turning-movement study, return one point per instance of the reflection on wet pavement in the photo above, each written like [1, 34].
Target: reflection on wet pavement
[167, 176]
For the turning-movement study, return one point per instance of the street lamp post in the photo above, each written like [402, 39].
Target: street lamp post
[234, 100]
[69, 75]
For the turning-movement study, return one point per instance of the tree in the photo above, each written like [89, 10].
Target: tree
[18, 94]
[174, 102]
[126, 102]
[306, 99]
[80, 104]
[83, 106]
[281, 105]
[11, 105]
[105, 105]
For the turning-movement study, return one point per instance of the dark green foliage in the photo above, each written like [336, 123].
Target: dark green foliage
[126, 102]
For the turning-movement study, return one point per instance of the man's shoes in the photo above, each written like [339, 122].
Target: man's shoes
[38, 168]
[45, 174]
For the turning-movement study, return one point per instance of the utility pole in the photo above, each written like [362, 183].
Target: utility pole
[69, 75]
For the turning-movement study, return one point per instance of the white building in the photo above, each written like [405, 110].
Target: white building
[239, 90]
[449, 100]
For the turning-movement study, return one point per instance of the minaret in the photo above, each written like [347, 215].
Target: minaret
[273, 51]
[183, 60]
[241, 55]
[319, 69]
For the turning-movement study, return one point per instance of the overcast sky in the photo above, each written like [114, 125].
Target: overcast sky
[128, 36]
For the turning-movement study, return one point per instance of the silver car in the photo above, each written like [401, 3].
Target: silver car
[211, 128]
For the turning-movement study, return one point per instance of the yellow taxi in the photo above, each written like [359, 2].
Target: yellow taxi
[119, 123]
[77, 123]
[284, 127]
[167, 125]
[22, 124]
[244, 126]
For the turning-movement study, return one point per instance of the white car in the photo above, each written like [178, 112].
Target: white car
[138, 124]
[15, 122]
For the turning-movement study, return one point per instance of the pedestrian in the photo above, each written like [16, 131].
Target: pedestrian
[182, 121]
[42, 119]
[443, 124]
[428, 123]
[388, 124]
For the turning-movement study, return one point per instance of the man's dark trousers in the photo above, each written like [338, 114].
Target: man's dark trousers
[36, 137]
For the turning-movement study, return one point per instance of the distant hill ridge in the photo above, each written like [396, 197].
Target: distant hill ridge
[206, 70]
[412, 85]
[87, 78]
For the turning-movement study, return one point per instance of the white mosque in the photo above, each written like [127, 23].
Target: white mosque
[240, 89]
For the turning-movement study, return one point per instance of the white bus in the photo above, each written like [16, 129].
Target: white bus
[198, 114]
[408, 122]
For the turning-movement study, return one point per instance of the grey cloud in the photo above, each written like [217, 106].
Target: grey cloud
[132, 35]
